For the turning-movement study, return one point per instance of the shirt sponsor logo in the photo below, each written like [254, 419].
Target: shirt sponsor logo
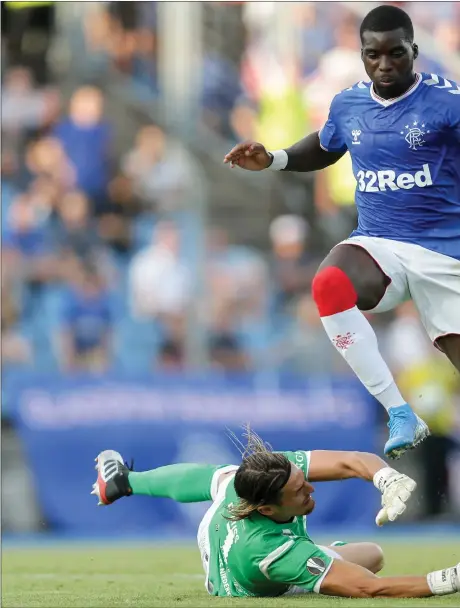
[386, 179]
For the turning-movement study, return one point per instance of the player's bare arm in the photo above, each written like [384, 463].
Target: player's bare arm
[346, 579]
[304, 156]
[396, 488]
[330, 465]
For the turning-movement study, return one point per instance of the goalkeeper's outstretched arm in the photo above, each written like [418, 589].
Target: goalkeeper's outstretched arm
[396, 488]
[331, 465]
[346, 579]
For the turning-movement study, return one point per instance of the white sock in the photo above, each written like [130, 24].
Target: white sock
[352, 335]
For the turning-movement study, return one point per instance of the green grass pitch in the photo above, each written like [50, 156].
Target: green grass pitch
[87, 576]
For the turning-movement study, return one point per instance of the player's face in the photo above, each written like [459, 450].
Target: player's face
[296, 498]
[389, 59]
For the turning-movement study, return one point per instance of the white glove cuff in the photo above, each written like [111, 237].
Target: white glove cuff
[280, 160]
[382, 476]
[443, 582]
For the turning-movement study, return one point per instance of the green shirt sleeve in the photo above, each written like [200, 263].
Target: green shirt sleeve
[301, 459]
[297, 562]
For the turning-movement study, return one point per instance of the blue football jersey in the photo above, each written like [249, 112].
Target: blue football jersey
[406, 160]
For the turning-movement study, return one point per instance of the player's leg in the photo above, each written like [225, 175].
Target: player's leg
[367, 555]
[186, 482]
[450, 345]
[369, 281]
[348, 281]
[434, 281]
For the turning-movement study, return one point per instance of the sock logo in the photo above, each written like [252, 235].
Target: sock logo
[345, 341]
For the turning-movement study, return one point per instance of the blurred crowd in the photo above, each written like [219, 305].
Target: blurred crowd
[97, 251]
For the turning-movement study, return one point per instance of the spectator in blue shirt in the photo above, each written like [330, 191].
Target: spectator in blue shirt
[75, 232]
[85, 137]
[86, 323]
[25, 250]
[221, 88]
[23, 233]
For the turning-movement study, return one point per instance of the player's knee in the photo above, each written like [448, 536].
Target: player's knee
[333, 291]
[450, 346]
[376, 557]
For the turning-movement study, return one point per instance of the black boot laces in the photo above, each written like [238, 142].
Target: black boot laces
[130, 466]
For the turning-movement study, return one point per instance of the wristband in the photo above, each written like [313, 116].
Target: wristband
[443, 582]
[280, 160]
[382, 476]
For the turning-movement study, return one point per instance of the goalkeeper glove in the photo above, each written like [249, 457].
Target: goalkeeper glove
[396, 490]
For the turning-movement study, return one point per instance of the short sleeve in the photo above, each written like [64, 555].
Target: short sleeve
[219, 471]
[330, 137]
[297, 562]
[301, 459]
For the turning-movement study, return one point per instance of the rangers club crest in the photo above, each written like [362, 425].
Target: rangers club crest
[345, 341]
[414, 135]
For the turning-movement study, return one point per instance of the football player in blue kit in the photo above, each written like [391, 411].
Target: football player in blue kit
[402, 130]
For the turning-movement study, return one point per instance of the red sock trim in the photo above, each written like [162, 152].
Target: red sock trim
[333, 291]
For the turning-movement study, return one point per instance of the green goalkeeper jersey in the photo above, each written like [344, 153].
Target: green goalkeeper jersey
[257, 556]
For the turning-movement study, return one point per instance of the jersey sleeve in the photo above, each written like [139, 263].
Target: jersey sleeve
[301, 459]
[330, 137]
[216, 476]
[297, 562]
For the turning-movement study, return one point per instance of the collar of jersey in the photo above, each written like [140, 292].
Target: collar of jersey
[389, 102]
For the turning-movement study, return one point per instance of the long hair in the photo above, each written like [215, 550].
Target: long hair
[260, 478]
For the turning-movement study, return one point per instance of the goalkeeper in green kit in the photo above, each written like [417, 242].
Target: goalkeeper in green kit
[253, 539]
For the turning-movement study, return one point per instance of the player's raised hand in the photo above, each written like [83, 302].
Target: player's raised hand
[249, 155]
[396, 490]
